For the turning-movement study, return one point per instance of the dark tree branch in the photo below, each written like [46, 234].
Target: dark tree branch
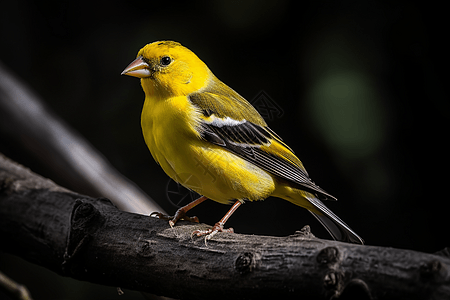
[89, 239]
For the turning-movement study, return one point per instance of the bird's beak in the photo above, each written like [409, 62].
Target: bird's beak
[138, 68]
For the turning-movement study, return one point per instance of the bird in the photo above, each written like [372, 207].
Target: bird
[196, 126]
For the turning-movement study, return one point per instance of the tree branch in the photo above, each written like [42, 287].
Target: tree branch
[89, 239]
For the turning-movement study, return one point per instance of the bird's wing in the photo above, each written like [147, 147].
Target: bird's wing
[235, 125]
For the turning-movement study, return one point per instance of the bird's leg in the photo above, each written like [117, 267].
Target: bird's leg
[218, 227]
[181, 213]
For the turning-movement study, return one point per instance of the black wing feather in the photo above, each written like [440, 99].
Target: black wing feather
[244, 139]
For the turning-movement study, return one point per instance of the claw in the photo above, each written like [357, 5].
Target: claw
[218, 227]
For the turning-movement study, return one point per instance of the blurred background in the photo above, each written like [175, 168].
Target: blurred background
[357, 87]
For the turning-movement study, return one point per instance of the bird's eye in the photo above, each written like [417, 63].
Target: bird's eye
[165, 61]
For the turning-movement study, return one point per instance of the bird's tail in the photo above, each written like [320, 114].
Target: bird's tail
[334, 225]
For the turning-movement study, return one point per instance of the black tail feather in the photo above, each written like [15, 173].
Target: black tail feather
[334, 225]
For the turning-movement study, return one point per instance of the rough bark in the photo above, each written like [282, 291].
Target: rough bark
[90, 239]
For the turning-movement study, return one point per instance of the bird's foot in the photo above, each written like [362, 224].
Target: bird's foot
[179, 215]
[218, 227]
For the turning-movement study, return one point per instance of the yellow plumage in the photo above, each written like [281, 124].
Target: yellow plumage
[196, 126]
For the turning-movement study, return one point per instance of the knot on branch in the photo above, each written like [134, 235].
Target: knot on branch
[144, 249]
[328, 256]
[84, 221]
[431, 270]
[335, 277]
[245, 262]
[331, 279]
[305, 232]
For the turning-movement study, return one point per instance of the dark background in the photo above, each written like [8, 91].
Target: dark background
[359, 84]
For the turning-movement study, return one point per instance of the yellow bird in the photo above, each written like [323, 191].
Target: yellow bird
[197, 127]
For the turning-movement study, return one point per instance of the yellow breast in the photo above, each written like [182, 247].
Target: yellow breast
[170, 132]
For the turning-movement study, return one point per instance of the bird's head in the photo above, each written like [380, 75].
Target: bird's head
[167, 68]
